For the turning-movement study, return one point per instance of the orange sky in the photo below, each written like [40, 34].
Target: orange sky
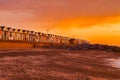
[95, 20]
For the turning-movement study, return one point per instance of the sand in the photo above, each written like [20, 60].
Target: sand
[49, 64]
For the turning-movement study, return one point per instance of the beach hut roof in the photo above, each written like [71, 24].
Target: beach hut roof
[39, 32]
[32, 31]
[36, 33]
[20, 30]
[9, 29]
[43, 34]
[15, 30]
[28, 31]
[2, 27]
[24, 31]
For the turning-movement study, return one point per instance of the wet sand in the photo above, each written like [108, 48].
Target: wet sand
[49, 64]
[115, 62]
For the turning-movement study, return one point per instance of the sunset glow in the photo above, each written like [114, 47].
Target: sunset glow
[97, 21]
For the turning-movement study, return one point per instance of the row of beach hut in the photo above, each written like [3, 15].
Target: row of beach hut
[7, 33]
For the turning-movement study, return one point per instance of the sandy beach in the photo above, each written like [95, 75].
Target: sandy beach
[49, 64]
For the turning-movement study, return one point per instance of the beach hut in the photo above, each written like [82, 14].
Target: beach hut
[24, 35]
[15, 34]
[20, 34]
[32, 36]
[27, 35]
[42, 37]
[63, 40]
[1, 32]
[67, 40]
[39, 36]
[45, 38]
[36, 37]
[48, 38]
[60, 39]
[53, 38]
[9, 34]
[4, 32]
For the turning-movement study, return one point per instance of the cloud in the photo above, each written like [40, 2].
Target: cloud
[65, 17]
[64, 7]
[81, 13]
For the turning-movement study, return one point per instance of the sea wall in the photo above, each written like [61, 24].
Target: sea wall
[15, 44]
[24, 44]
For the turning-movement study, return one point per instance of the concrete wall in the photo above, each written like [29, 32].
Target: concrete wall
[15, 44]
[22, 44]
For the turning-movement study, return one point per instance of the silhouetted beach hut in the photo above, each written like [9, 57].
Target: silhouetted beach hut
[25, 35]
[53, 39]
[20, 34]
[36, 37]
[9, 34]
[49, 38]
[32, 36]
[46, 38]
[1, 32]
[42, 37]
[56, 39]
[15, 34]
[4, 31]
[39, 37]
